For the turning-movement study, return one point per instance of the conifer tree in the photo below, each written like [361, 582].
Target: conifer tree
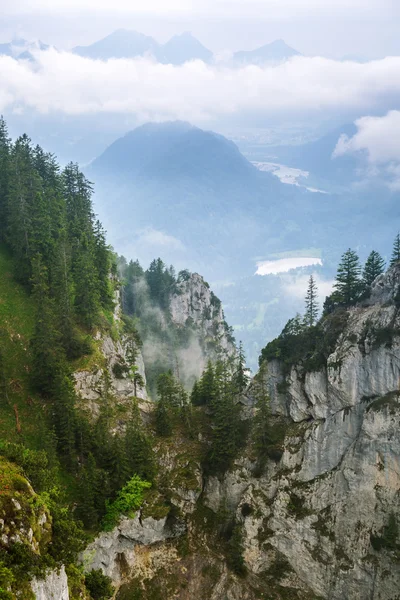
[24, 192]
[195, 394]
[396, 251]
[348, 282]
[45, 346]
[242, 377]
[139, 450]
[311, 302]
[225, 420]
[206, 387]
[5, 148]
[374, 266]
[88, 488]
[3, 375]
[87, 297]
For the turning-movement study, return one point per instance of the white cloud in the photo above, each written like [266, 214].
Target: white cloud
[158, 240]
[261, 8]
[297, 287]
[60, 81]
[273, 267]
[378, 139]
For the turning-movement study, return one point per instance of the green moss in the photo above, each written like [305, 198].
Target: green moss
[296, 506]
[155, 505]
[323, 523]
[390, 401]
[279, 569]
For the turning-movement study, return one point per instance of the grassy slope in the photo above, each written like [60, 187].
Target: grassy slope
[16, 328]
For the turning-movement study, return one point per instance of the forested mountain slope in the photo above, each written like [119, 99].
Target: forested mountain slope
[283, 487]
[72, 379]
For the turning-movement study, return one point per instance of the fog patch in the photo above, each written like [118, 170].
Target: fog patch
[283, 265]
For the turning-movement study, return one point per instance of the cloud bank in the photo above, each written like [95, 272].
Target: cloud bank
[377, 138]
[270, 8]
[72, 85]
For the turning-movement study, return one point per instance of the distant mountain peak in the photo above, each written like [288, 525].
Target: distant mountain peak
[276, 51]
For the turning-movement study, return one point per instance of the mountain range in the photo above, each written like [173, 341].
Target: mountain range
[276, 51]
[197, 187]
[124, 43]
[21, 49]
[178, 50]
[191, 197]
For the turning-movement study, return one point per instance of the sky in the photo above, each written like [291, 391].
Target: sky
[316, 87]
[368, 28]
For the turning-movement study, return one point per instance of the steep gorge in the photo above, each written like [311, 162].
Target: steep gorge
[320, 522]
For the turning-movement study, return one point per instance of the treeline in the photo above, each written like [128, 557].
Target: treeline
[310, 339]
[218, 391]
[61, 256]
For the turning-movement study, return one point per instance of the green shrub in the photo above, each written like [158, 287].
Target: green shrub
[128, 500]
[99, 585]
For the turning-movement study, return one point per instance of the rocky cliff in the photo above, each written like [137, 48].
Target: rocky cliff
[321, 519]
[194, 304]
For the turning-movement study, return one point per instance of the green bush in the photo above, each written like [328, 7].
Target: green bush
[128, 500]
[99, 585]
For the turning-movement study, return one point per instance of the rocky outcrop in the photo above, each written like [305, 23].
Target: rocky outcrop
[194, 304]
[330, 507]
[91, 384]
[23, 519]
[116, 552]
[110, 373]
[53, 587]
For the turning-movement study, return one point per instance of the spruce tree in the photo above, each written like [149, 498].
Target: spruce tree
[45, 346]
[396, 251]
[241, 374]
[348, 284]
[374, 266]
[5, 148]
[311, 314]
[3, 374]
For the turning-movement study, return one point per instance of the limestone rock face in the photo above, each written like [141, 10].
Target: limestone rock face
[194, 303]
[322, 519]
[53, 587]
[108, 373]
[327, 505]
[90, 384]
[115, 552]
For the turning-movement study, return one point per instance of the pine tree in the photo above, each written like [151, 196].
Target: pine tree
[396, 251]
[88, 485]
[348, 283]
[3, 375]
[139, 451]
[195, 394]
[45, 347]
[206, 387]
[5, 149]
[225, 420]
[241, 377]
[374, 266]
[87, 297]
[311, 315]
[24, 193]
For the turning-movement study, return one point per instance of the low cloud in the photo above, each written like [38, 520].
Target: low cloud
[377, 138]
[283, 265]
[269, 8]
[61, 82]
[297, 287]
[158, 240]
